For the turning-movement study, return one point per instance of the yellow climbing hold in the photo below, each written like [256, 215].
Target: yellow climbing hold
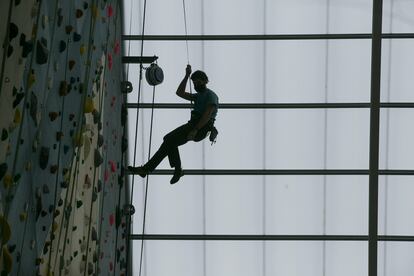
[55, 226]
[82, 49]
[23, 216]
[89, 106]
[95, 11]
[4, 230]
[78, 140]
[17, 117]
[7, 260]
[8, 181]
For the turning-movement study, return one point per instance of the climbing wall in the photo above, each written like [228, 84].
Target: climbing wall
[62, 138]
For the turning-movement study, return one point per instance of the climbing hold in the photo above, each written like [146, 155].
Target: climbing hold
[9, 51]
[64, 184]
[109, 10]
[94, 195]
[23, 216]
[113, 166]
[79, 13]
[59, 135]
[53, 115]
[117, 47]
[17, 117]
[7, 261]
[42, 53]
[55, 226]
[62, 46]
[77, 140]
[79, 203]
[95, 11]
[76, 37]
[82, 49]
[60, 17]
[44, 157]
[100, 140]
[126, 87]
[11, 247]
[109, 61]
[27, 47]
[18, 99]
[97, 158]
[68, 29]
[3, 170]
[71, 64]
[90, 268]
[88, 182]
[32, 79]
[7, 181]
[94, 234]
[111, 219]
[63, 88]
[5, 230]
[4, 134]
[129, 209]
[96, 116]
[53, 169]
[89, 105]
[13, 31]
[65, 149]
[33, 108]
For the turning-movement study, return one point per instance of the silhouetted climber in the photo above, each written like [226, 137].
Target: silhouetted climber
[196, 129]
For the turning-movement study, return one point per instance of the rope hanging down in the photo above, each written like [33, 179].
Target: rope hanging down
[151, 128]
[186, 39]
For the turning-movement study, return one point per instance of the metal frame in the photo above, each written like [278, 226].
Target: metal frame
[374, 106]
[274, 105]
[195, 237]
[280, 172]
[267, 37]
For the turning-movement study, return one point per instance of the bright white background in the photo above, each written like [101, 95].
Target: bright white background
[276, 72]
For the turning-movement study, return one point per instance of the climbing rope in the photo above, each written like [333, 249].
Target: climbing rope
[186, 39]
[136, 135]
[146, 185]
[5, 43]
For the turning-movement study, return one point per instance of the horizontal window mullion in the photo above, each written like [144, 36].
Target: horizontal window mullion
[273, 105]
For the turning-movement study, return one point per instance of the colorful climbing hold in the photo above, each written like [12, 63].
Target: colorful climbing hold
[44, 157]
[89, 105]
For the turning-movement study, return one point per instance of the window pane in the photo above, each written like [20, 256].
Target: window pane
[223, 258]
[396, 205]
[395, 258]
[396, 139]
[273, 205]
[397, 67]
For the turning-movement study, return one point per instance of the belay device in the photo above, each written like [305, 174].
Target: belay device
[154, 74]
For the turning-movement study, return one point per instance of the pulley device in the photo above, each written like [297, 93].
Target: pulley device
[154, 74]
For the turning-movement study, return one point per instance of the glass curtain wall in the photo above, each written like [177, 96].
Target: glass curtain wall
[296, 137]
